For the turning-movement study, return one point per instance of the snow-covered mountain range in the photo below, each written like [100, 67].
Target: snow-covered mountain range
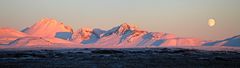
[49, 32]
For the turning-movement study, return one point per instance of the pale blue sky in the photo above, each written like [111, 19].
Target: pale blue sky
[186, 18]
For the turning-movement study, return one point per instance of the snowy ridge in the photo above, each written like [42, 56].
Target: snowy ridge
[127, 35]
[10, 32]
[49, 32]
[35, 41]
[233, 41]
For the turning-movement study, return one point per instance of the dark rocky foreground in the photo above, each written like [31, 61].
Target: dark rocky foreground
[119, 58]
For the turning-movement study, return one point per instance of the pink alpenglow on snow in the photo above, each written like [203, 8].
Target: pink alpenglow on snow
[10, 32]
[47, 28]
[51, 33]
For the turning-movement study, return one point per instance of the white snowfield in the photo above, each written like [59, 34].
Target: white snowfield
[50, 33]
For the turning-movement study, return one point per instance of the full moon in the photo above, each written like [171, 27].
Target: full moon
[211, 22]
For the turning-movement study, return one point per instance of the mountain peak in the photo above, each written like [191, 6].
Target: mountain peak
[85, 29]
[48, 20]
[124, 27]
[82, 34]
[128, 26]
[48, 27]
